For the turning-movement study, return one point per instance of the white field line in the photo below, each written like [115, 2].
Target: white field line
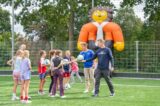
[114, 77]
[132, 85]
[123, 85]
[104, 84]
[138, 78]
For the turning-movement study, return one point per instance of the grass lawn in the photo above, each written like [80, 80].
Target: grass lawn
[129, 92]
[34, 68]
[9, 68]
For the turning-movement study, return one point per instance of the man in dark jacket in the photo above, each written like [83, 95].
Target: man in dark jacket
[104, 56]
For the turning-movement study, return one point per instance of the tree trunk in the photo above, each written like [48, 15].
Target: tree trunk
[71, 31]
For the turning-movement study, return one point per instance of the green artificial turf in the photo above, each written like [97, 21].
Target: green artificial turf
[129, 92]
[9, 68]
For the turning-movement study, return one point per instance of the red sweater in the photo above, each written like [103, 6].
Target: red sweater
[41, 69]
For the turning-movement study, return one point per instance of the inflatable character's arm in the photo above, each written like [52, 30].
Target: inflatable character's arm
[113, 33]
[83, 37]
[118, 38]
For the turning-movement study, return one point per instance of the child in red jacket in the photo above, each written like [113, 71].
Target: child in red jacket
[42, 71]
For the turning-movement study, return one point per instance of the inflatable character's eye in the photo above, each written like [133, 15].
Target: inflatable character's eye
[103, 13]
[96, 14]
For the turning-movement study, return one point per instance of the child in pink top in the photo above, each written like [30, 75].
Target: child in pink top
[75, 69]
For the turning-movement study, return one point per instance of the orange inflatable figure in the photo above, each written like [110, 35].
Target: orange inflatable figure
[101, 27]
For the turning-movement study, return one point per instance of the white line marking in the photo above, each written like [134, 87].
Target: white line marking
[114, 84]
[133, 85]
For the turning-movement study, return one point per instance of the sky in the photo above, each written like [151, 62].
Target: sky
[137, 9]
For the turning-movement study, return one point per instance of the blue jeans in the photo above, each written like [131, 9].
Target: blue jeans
[42, 75]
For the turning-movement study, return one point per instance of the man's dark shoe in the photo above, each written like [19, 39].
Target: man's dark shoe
[112, 94]
[95, 95]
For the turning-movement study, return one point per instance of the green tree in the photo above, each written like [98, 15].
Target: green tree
[5, 44]
[45, 23]
[5, 26]
[151, 8]
[4, 21]
[150, 31]
[152, 23]
[57, 19]
[131, 25]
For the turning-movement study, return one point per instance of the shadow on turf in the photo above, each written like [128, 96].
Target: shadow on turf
[70, 96]
[73, 93]
[84, 98]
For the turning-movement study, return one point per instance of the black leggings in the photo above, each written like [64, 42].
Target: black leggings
[51, 84]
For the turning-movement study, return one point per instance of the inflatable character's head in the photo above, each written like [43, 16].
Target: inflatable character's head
[101, 14]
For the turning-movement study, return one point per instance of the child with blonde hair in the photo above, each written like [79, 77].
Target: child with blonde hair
[67, 70]
[88, 68]
[22, 47]
[25, 77]
[16, 61]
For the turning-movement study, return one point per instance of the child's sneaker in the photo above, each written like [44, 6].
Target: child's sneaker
[43, 93]
[29, 97]
[27, 101]
[86, 91]
[52, 96]
[93, 91]
[39, 92]
[22, 101]
[57, 95]
[68, 85]
[15, 98]
[63, 96]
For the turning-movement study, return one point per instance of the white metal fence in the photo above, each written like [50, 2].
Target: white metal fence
[138, 56]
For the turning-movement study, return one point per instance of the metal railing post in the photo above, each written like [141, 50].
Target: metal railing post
[12, 30]
[137, 56]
